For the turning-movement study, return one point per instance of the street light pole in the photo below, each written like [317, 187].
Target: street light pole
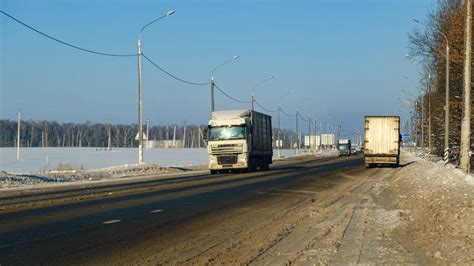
[140, 107]
[280, 143]
[253, 90]
[309, 134]
[213, 107]
[429, 112]
[297, 134]
[446, 107]
[465, 150]
[18, 137]
[140, 104]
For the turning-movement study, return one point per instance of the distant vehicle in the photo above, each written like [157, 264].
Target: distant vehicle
[353, 150]
[344, 147]
[382, 140]
[239, 140]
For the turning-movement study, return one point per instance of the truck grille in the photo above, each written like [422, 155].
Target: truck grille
[226, 148]
[227, 159]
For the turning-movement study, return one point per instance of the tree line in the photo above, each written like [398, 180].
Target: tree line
[56, 134]
[427, 44]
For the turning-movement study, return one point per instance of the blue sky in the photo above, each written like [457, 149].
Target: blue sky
[345, 59]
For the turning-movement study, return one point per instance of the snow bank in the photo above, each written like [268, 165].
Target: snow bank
[35, 160]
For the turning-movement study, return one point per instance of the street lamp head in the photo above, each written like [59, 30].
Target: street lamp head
[236, 57]
[416, 20]
[270, 77]
[171, 12]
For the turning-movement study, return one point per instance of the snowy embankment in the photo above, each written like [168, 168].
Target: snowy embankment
[441, 204]
[36, 160]
[55, 165]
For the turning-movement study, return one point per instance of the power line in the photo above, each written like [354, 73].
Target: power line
[230, 97]
[283, 112]
[306, 120]
[265, 109]
[63, 42]
[173, 76]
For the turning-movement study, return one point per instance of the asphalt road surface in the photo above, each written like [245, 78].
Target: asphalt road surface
[195, 218]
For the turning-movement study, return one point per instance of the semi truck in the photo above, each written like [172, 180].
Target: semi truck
[239, 140]
[344, 147]
[382, 140]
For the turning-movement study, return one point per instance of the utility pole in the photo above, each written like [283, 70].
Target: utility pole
[309, 134]
[109, 139]
[147, 133]
[464, 156]
[422, 120]
[253, 101]
[140, 125]
[212, 80]
[212, 95]
[174, 137]
[446, 111]
[18, 144]
[430, 146]
[340, 130]
[184, 135]
[279, 133]
[140, 106]
[297, 134]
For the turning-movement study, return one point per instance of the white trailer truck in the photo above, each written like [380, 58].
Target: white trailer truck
[382, 140]
[239, 140]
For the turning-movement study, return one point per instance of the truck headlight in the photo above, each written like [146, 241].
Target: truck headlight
[212, 159]
[242, 158]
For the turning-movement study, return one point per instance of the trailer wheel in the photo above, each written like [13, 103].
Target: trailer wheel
[265, 167]
[368, 165]
[213, 172]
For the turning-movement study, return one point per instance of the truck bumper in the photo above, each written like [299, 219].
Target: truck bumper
[382, 160]
[216, 163]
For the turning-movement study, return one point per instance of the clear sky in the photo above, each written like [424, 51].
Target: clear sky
[345, 59]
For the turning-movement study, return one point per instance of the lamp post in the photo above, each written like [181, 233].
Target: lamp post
[280, 142]
[297, 134]
[253, 90]
[279, 133]
[212, 80]
[18, 142]
[446, 107]
[140, 104]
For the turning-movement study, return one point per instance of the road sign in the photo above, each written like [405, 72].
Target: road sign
[406, 136]
[144, 136]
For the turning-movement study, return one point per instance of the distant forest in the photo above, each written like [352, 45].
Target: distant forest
[55, 134]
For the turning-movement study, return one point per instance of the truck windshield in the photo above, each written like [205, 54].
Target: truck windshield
[225, 133]
[343, 146]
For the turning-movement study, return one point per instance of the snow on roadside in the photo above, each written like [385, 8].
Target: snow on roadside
[75, 164]
[441, 204]
[36, 160]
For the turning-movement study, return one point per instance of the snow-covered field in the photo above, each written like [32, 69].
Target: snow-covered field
[34, 160]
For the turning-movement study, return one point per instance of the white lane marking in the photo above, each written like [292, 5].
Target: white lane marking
[112, 221]
[157, 211]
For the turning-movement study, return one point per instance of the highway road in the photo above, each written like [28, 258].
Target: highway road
[192, 218]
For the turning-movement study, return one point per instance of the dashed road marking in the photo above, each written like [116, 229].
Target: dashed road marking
[112, 221]
[157, 211]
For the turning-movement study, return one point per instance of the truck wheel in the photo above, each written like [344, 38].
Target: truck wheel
[266, 167]
[368, 165]
[213, 172]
